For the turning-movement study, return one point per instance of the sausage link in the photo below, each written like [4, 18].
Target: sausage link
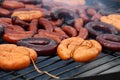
[83, 33]
[12, 4]
[69, 30]
[48, 34]
[16, 20]
[4, 12]
[46, 24]
[33, 25]
[60, 32]
[78, 23]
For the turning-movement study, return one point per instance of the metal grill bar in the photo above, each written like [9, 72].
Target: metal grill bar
[51, 70]
[112, 70]
[98, 70]
[74, 67]
[34, 69]
[6, 74]
[117, 54]
[95, 66]
[12, 72]
[107, 69]
[61, 67]
[69, 63]
[38, 61]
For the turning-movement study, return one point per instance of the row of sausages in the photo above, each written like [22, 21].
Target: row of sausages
[55, 30]
[23, 19]
[48, 29]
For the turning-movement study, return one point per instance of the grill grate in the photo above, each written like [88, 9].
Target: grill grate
[105, 63]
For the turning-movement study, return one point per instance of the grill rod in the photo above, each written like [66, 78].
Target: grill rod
[63, 71]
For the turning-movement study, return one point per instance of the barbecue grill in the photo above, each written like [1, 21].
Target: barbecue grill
[106, 66]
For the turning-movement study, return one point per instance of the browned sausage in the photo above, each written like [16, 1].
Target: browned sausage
[78, 49]
[60, 32]
[33, 25]
[17, 21]
[78, 24]
[48, 34]
[13, 29]
[83, 33]
[4, 12]
[109, 41]
[6, 20]
[91, 11]
[57, 22]
[14, 37]
[28, 14]
[13, 57]
[31, 6]
[82, 14]
[96, 17]
[69, 30]
[12, 4]
[46, 24]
